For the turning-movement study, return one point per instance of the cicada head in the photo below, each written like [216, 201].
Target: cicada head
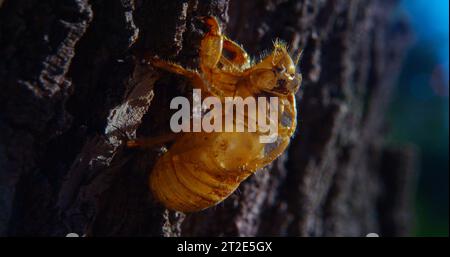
[276, 73]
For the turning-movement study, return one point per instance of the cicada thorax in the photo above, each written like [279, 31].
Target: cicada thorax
[202, 169]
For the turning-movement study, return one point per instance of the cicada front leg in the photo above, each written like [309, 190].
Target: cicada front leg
[211, 45]
[287, 121]
[284, 133]
[173, 67]
[192, 75]
[238, 57]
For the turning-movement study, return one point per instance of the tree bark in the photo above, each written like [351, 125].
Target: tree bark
[74, 87]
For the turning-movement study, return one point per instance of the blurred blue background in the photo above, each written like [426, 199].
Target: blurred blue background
[420, 110]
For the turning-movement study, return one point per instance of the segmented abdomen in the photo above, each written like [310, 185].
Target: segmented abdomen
[202, 169]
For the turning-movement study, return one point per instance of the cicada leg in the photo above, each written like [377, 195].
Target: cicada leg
[284, 134]
[289, 107]
[238, 59]
[211, 45]
[212, 80]
[192, 75]
[174, 68]
[284, 137]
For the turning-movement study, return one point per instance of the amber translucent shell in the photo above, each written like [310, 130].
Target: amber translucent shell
[202, 169]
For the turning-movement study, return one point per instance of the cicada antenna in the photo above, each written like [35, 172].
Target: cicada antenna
[298, 56]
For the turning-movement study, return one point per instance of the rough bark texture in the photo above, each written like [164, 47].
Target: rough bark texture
[74, 87]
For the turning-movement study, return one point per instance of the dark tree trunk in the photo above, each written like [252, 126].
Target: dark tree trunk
[73, 87]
